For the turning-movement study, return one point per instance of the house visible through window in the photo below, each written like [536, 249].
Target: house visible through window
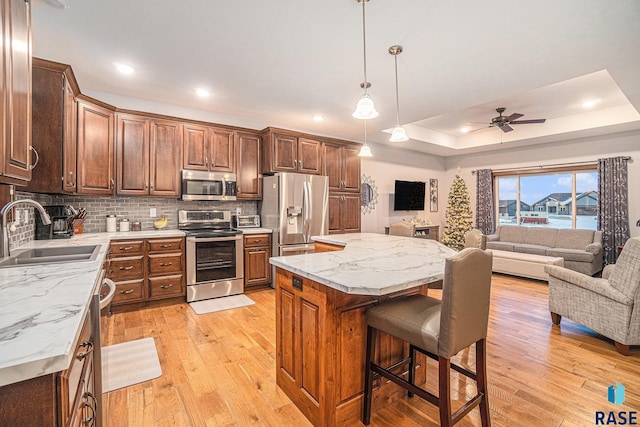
[558, 198]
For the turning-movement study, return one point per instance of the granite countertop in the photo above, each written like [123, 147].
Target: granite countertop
[371, 264]
[43, 307]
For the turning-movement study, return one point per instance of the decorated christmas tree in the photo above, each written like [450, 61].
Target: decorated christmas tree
[458, 214]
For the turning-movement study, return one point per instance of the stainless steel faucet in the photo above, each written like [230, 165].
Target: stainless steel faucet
[5, 234]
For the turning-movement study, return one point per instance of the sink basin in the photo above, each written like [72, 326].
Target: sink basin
[51, 256]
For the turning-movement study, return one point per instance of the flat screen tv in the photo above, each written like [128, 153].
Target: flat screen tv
[409, 196]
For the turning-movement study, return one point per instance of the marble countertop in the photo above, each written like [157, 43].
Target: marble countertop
[371, 264]
[42, 307]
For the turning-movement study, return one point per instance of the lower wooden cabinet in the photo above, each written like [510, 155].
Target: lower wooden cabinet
[146, 269]
[257, 251]
[66, 398]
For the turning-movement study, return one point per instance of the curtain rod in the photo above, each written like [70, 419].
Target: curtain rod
[551, 165]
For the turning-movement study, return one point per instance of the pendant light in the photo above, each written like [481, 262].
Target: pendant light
[398, 133]
[365, 151]
[364, 108]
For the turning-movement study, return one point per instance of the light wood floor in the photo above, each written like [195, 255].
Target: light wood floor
[218, 369]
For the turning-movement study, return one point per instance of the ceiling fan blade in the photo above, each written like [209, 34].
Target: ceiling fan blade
[479, 129]
[514, 116]
[506, 128]
[520, 122]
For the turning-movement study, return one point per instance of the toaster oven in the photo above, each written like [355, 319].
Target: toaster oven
[245, 221]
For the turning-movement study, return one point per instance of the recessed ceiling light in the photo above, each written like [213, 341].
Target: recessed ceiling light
[590, 103]
[202, 93]
[124, 68]
[318, 117]
[464, 129]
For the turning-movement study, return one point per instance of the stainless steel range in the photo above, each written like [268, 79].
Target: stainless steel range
[214, 254]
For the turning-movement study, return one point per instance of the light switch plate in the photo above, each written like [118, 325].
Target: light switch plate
[152, 212]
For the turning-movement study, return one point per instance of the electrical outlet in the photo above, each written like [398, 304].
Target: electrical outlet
[152, 212]
[238, 211]
[25, 216]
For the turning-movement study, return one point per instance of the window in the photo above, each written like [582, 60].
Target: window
[559, 198]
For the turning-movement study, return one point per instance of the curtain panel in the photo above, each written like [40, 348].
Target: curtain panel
[484, 201]
[613, 205]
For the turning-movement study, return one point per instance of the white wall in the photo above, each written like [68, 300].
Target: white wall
[580, 150]
[389, 164]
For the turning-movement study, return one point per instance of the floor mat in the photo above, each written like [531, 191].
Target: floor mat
[219, 304]
[129, 363]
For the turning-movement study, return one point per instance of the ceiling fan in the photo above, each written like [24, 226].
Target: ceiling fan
[504, 122]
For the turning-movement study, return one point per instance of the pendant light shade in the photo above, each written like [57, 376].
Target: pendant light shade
[365, 151]
[364, 108]
[398, 134]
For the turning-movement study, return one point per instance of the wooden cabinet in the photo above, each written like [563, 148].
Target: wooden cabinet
[209, 149]
[320, 349]
[327, 247]
[15, 124]
[95, 149]
[61, 398]
[344, 213]
[249, 178]
[53, 125]
[342, 167]
[288, 152]
[148, 156]
[146, 269]
[257, 251]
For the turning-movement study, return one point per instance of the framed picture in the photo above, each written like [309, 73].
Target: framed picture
[433, 195]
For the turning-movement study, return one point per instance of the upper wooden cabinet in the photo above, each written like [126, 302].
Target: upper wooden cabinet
[148, 156]
[342, 167]
[53, 124]
[15, 124]
[209, 149]
[95, 149]
[249, 178]
[287, 152]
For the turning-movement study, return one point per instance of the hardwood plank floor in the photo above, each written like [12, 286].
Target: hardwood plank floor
[218, 369]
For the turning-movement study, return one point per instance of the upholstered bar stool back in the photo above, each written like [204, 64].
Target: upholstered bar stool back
[475, 239]
[402, 229]
[439, 329]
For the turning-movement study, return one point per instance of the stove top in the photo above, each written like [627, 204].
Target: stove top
[206, 223]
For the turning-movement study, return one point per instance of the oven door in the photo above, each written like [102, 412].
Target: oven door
[215, 266]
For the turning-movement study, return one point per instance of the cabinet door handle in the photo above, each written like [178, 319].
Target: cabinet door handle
[128, 267]
[166, 286]
[113, 184]
[162, 264]
[37, 157]
[146, 185]
[257, 252]
[127, 292]
[257, 240]
[166, 246]
[89, 346]
[125, 248]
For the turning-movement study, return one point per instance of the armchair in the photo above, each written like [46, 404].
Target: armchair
[608, 305]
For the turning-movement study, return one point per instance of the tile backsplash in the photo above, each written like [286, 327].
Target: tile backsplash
[133, 208]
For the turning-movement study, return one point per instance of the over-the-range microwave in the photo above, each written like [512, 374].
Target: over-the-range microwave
[202, 185]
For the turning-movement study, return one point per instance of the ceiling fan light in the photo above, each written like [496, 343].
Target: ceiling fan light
[365, 109]
[365, 151]
[398, 134]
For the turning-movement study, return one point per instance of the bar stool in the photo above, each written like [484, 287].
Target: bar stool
[402, 229]
[439, 330]
[475, 239]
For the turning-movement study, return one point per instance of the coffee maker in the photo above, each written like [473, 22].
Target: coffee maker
[61, 226]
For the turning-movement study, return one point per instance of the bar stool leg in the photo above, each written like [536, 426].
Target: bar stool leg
[368, 377]
[444, 388]
[412, 367]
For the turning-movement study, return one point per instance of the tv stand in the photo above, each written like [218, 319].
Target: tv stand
[424, 232]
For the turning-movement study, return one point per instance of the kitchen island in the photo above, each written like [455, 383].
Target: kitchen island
[321, 299]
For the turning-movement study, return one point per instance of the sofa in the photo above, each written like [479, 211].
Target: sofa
[580, 250]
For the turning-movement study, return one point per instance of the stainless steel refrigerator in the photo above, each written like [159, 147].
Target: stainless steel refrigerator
[296, 207]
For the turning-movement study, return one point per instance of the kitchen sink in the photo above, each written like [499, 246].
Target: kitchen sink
[51, 255]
